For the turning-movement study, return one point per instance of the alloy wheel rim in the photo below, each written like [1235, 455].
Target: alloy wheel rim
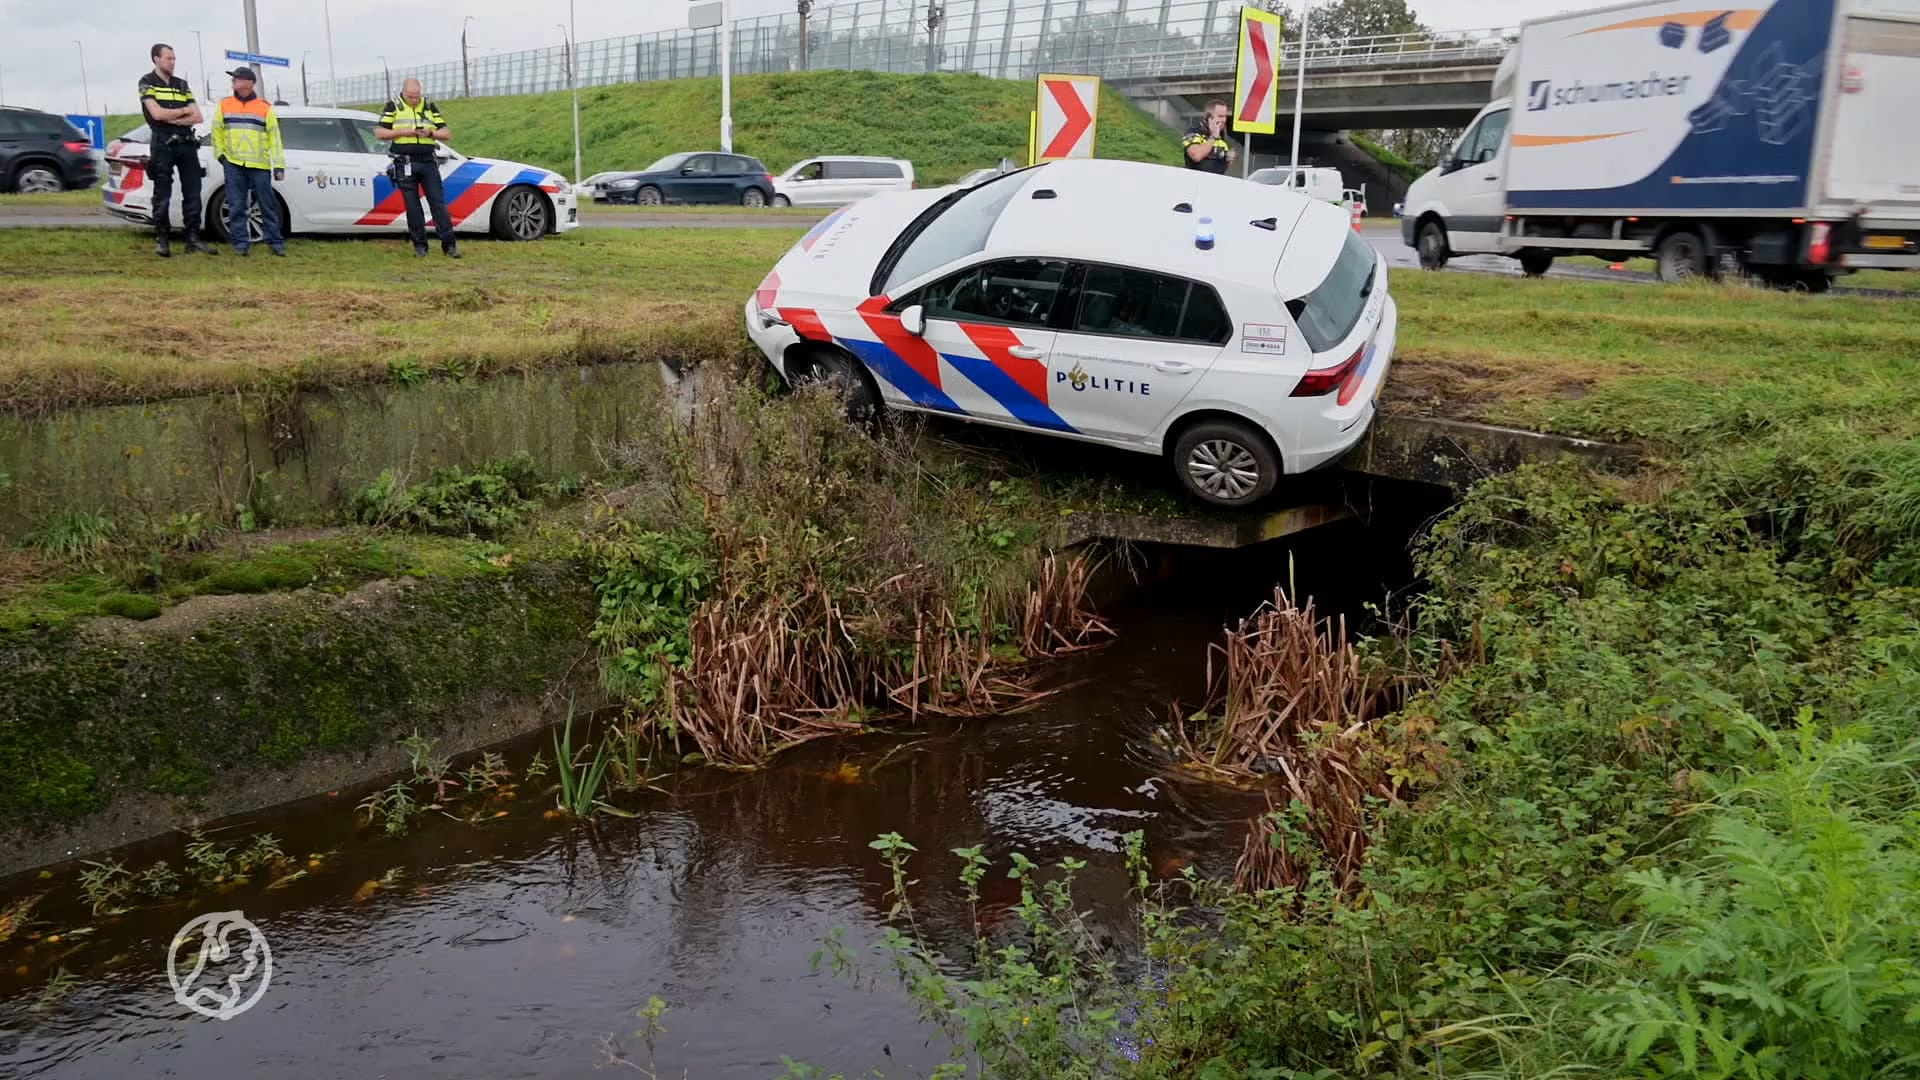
[1224, 469]
[523, 217]
[649, 197]
[39, 182]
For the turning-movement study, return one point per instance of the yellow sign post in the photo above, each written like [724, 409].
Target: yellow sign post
[1033, 130]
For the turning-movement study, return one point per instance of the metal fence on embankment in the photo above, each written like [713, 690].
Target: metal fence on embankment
[1008, 39]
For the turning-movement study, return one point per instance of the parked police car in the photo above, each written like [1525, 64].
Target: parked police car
[1240, 332]
[336, 182]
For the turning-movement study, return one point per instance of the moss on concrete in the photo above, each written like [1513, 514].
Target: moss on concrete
[99, 707]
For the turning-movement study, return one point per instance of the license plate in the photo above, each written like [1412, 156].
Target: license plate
[1887, 243]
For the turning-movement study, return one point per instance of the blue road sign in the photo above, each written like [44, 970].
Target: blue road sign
[94, 127]
[256, 58]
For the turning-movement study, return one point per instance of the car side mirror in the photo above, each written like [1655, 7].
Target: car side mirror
[1486, 155]
[914, 320]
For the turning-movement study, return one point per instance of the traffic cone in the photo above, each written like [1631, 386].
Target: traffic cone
[1354, 213]
[1618, 266]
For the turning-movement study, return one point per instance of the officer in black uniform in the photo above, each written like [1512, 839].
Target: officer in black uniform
[1205, 146]
[171, 113]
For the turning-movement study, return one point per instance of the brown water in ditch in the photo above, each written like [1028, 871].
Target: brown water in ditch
[517, 947]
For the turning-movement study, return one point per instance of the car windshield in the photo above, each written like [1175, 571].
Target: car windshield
[1328, 313]
[668, 163]
[958, 228]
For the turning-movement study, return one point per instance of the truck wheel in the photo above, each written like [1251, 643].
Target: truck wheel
[1432, 245]
[1681, 257]
[1814, 281]
[1536, 263]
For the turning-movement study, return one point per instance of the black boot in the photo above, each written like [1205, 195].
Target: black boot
[196, 245]
[452, 250]
[163, 246]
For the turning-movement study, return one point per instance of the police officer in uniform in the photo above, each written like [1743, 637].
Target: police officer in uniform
[413, 128]
[1205, 145]
[171, 113]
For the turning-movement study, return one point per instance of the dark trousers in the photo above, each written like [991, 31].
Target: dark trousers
[166, 156]
[423, 177]
[258, 183]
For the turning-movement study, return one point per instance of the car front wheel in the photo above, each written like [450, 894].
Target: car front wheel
[843, 376]
[521, 213]
[1227, 463]
[38, 180]
[648, 196]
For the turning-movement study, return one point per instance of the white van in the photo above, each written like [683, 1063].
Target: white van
[837, 181]
[1314, 182]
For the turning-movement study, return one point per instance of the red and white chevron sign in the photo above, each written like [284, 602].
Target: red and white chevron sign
[1256, 73]
[1069, 111]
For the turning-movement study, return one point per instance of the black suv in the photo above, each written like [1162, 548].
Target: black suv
[42, 152]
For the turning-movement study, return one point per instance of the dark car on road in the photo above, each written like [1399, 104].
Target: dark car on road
[697, 177]
[41, 152]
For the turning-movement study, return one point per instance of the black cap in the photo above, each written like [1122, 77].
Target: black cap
[243, 72]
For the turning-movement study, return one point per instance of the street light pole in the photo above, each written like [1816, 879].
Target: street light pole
[466, 72]
[726, 76]
[806, 8]
[253, 28]
[573, 77]
[200, 49]
[935, 13]
[1299, 98]
[303, 77]
[333, 81]
[85, 93]
[388, 72]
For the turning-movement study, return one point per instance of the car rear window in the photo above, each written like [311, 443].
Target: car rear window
[1328, 314]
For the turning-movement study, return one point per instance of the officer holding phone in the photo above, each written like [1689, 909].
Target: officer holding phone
[1205, 146]
[413, 130]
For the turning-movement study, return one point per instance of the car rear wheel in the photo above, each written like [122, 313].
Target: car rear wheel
[521, 213]
[1226, 463]
[648, 196]
[782, 200]
[216, 219]
[38, 180]
[754, 197]
[1432, 245]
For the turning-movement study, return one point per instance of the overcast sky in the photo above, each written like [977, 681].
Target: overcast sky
[40, 64]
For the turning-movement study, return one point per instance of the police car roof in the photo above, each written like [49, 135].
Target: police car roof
[1123, 212]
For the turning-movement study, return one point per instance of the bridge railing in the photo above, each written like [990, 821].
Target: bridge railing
[1015, 39]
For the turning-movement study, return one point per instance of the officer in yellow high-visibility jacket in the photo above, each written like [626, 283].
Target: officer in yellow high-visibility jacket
[413, 130]
[246, 141]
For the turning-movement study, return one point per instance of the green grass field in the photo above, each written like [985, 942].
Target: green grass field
[947, 125]
[1674, 365]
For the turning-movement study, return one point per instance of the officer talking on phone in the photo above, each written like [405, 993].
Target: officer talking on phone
[413, 129]
[1205, 146]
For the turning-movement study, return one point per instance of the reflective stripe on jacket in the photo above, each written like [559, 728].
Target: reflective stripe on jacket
[414, 126]
[247, 133]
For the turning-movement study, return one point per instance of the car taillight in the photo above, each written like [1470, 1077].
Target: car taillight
[1327, 380]
[1819, 243]
[78, 147]
[769, 179]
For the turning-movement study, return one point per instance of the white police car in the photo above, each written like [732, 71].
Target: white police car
[336, 182]
[1239, 332]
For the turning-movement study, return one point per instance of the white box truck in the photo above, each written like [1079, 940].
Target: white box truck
[1780, 137]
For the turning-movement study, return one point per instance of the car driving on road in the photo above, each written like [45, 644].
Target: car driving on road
[41, 153]
[837, 181]
[336, 182]
[694, 178]
[1240, 332]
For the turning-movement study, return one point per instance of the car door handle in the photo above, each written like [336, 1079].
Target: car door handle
[1491, 176]
[1173, 367]
[1026, 352]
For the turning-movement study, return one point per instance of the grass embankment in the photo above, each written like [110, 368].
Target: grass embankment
[947, 125]
[1609, 361]
[93, 324]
